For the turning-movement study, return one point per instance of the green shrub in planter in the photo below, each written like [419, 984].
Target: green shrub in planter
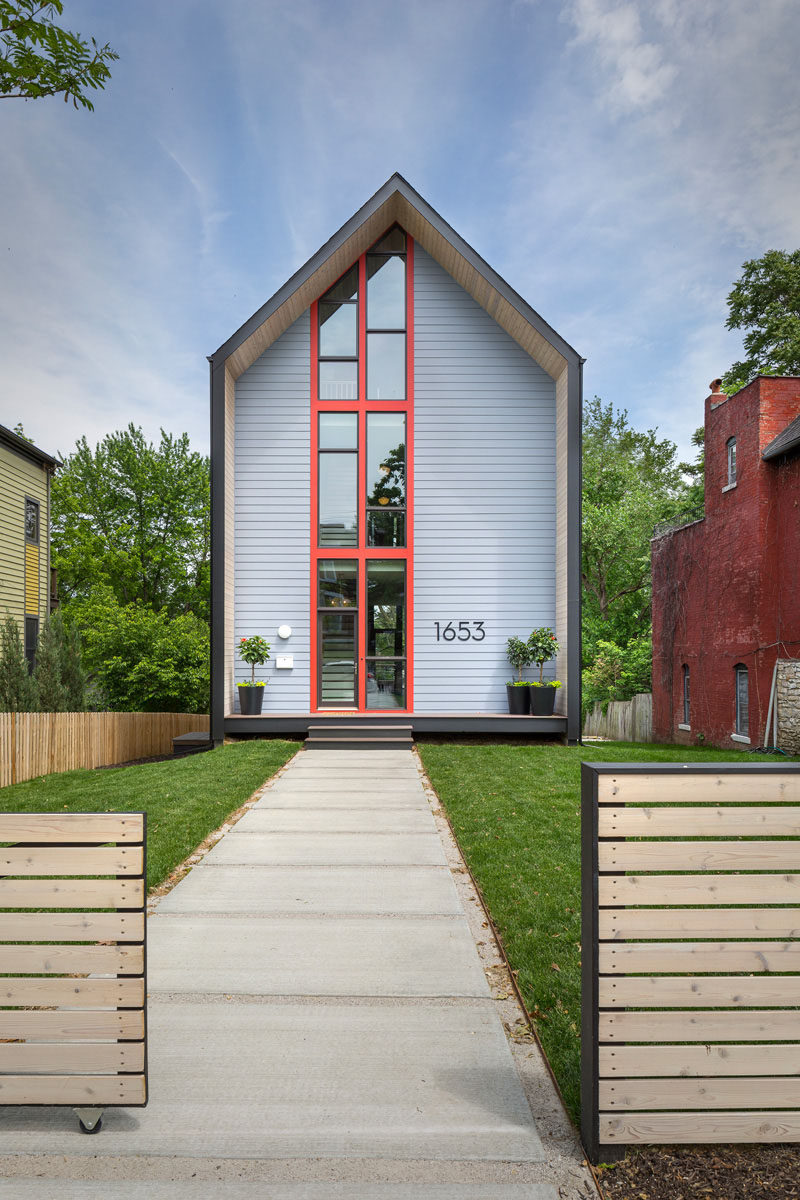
[517, 691]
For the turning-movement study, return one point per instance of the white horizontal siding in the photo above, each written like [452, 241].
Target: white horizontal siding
[484, 501]
[272, 513]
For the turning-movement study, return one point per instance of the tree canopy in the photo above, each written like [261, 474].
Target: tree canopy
[38, 58]
[631, 481]
[135, 517]
[765, 301]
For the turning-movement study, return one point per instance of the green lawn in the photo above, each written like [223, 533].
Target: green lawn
[185, 799]
[516, 813]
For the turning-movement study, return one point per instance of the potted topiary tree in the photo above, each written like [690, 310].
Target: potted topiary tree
[253, 650]
[517, 690]
[542, 646]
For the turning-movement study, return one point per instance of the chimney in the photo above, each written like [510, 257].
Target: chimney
[717, 396]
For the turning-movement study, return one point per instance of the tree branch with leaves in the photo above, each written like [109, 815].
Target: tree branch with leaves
[38, 58]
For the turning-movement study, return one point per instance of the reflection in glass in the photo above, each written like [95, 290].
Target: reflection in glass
[338, 330]
[338, 583]
[386, 366]
[386, 293]
[386, 683]
[346, 288]
[338, 381]
[386, 603]
[386, 460]
[338, 431]
[386, 528]
[395, 241]
[338, 658]
[338, 499]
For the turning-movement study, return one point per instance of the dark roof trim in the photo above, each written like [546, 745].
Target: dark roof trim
[396, 184]
[788, 440]
[27, 449]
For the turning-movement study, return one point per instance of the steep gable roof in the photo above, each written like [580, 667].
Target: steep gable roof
[397, 202]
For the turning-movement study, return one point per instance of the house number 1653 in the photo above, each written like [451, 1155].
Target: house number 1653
[460, 631]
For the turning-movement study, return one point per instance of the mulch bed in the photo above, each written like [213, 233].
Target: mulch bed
[711, 1173]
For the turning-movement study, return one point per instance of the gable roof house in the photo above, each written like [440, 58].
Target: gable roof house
[26, 585]
[395, 482]
[726, 588]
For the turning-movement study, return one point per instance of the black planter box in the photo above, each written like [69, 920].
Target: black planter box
[543, 701]
[250, 700]
[519, 700]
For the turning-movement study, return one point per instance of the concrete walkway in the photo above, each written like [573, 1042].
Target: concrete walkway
[320, 1022]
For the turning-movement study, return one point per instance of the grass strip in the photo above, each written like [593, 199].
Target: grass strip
[185, 799]
[515, 810]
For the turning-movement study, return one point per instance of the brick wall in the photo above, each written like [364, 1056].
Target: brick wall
[726, 589]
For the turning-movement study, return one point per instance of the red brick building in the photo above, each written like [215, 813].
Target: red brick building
[726, 588]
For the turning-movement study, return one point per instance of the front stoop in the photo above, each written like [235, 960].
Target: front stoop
[330, 736]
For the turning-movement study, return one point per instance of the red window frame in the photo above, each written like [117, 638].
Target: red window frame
[363, 553]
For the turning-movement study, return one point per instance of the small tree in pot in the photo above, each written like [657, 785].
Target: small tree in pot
[517, 690]
[542, 646]
[253, 650]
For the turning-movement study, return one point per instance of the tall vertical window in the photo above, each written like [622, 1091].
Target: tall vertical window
[386, 634]
[731, 447]
[742, 700]
[686, 720]
[31, 521]
[386, 318]
[386, 478]
[362, 433]
[31, 641]
[338, 479]
[338, 339]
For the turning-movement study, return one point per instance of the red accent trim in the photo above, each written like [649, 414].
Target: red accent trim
[314, 499]
[362, 553]
[410, 472]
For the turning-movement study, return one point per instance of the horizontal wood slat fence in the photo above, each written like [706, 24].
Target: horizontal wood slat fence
[691, 942]
[623, 720]
[73, 984]
[33, 744]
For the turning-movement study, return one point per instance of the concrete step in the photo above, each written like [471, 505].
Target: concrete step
[362, 731]
[358, 743]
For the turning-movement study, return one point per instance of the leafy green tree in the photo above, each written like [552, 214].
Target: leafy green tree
[73, 674]
[695, 488]
[618, 673]
[765, 301]
[631, 481]
[48, 681]
[135, 517]
[59, 678]
[141, 660]
[38, 58]
[16, 685]
[518, 654]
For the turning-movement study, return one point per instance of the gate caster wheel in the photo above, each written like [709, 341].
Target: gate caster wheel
[93, 1128]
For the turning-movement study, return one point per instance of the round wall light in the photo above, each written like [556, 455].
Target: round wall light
[284, 631]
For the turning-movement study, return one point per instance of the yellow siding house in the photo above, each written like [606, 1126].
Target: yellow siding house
[25, 590]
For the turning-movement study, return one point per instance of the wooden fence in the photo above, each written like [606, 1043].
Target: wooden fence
[623, 720]
[690, 941]
[72, 1025]
[34, 744]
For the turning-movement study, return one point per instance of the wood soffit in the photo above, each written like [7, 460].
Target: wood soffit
[397, 208]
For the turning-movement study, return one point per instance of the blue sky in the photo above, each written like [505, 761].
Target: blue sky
[615, 160]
